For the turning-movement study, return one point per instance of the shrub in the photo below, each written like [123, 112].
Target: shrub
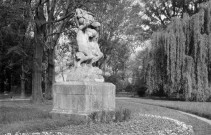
[129, 88]
[102, 116]
[209, 99]
[126, 114]
[141, 91]
[119, 115]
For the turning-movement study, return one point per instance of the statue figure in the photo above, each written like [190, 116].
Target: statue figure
[88, 49]
[87, 38]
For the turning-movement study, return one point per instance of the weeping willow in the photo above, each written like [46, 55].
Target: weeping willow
[179, 62]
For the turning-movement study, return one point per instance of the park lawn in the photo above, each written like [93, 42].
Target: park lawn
[28, 117]
[200, 127]
[202, 109]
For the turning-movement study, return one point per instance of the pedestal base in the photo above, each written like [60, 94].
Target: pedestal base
[71, 99]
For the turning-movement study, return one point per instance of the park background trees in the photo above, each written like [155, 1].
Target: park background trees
[16, 52]
[44, 21]
[179, 61]
[175, 62]
[30, 31]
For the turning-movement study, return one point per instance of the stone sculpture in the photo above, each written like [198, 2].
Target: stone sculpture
[88, 49]
[85, 91]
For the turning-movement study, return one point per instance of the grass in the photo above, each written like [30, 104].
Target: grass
[18, 117]
[11, 114]
[26, 117]
[200, 127]
[29, 118]
[202, 109]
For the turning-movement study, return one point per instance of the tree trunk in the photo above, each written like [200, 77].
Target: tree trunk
[23, 88]
[9, 81]
[1, 65]
[62, 74]
[39, 34]
[1, 76]
[23, 84]
[1, 83]
[52, 41]
[50, 73]
[37, 95]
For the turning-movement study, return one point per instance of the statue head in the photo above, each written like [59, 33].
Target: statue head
[84, 18]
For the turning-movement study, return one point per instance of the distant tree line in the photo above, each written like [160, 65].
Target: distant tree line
[178, 65]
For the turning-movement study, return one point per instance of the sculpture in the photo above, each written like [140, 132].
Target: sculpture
[88, 49]
[85, 91]
[87, 38]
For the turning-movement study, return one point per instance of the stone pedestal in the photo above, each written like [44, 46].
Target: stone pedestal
[82, 98]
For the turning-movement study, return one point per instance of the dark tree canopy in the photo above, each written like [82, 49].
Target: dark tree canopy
[15, 48]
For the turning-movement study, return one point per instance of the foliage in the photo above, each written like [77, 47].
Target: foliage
[114, 42]
[63, 58]
[119, 80]
[179, 62]
[141, 91]
[137, 66]
[119, 115]
[30, 31]
[157, 14]
[16, 51]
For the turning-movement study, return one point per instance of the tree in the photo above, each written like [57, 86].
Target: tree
[60, 19]
[114, 18]
[48, 25]
[14, 45]
[179, 62]
[50, 20]
[42, 26]
[157, 14]
[63, 59]
[113, 42]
